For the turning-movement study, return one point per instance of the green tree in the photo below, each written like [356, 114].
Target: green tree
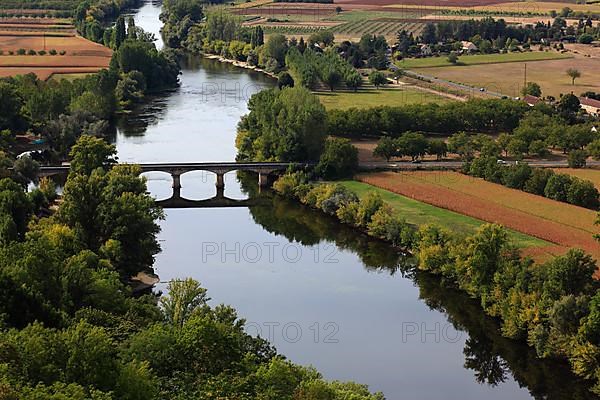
[461, 144]
[516, 176]
[517, 147]
[437, 147]
[484, 254]
[583, 193]
[338, 160]
[557, 187]
[332, 78]
[353, 80]
[276, 48]
[284, 79]
[91, 356]
[453, 58]
[377, 79]
[120, 33]
[573, 74]
[131, 29]
[386, 148]
[412, 144]
[594, 149]
[577, 158]
[538, 180]
[90, 153]
[283, 125]
[10, 107]
[532, 89]
[184, 298]
[503, 142]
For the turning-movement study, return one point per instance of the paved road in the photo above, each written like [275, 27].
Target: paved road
[455, 85]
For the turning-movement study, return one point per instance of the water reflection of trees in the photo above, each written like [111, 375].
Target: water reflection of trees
[302, 225]
[491, 357]
[150, 112]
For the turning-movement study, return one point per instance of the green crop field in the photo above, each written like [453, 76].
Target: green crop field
[477, 59]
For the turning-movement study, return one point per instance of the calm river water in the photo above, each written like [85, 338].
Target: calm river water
[324, 295]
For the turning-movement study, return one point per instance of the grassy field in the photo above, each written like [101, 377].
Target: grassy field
[367, 97]
[419, 213]
[432, 62]
[507, 78]
[563, 224]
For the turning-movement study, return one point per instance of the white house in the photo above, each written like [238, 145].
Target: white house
[468, 47]
[426, 50]
[590, 106]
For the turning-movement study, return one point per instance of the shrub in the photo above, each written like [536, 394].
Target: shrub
[21, 52]
[368, 206]
[582, 193]
[348, 214]
[31, 52]
[536, 183]
[340, 197]
[577, 158]
[385, 225]
[53, 52]
[516, 176]
[288, 183]
[557, 187]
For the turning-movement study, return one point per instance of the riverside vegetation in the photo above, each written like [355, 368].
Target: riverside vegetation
[554, 306]
[72, 328]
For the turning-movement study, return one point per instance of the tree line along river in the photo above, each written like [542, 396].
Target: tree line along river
[321, 293]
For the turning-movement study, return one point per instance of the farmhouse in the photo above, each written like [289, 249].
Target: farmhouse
[591, 106]
[531, 100]
[468, 47]
[426, 50]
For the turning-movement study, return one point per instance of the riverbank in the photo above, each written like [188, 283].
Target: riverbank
[240, 64]
[486, 265]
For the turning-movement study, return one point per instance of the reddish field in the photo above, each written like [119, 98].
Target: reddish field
[565, 225]
[437, 3]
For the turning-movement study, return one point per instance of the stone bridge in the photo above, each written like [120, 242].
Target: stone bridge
[263, 169]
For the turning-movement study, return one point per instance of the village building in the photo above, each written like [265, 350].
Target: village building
[591, 106]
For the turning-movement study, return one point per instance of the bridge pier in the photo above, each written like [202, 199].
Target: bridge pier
[220, 180]
[263, 179]
[176, 184]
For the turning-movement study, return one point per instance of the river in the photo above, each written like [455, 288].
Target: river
[321, 293]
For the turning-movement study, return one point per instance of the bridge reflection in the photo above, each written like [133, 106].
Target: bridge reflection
[219, 201]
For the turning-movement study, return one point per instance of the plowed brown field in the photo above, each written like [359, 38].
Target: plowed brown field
[81, 55]
[565, 225]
